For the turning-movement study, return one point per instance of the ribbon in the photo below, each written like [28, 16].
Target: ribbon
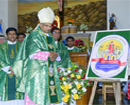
[101, 60]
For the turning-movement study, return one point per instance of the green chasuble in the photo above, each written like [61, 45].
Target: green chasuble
[75, 50]
[7, 81]
[65, 58]
[37, 78]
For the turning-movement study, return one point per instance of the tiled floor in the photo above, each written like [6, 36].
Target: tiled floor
[98, 100]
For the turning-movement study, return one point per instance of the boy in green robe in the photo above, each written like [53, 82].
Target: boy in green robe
[61, 49]
[38, 61]
[21, 37]
[70, 45]
[8, 81]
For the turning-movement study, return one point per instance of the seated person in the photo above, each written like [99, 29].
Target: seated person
[70, 45]
[21, 37]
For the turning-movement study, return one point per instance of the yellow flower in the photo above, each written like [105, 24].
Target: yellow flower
[78, 77]
[63, 78]
[65, 99]
[65, 90]
[72, 75]
[67, 86]
[67, 96]
[62, 87]
[69, 68]
[78, 86]
[75, 66]
[76, 96]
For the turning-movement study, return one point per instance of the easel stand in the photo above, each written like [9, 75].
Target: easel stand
[116, 88]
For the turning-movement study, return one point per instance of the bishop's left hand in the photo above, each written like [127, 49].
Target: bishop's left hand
[53, 56]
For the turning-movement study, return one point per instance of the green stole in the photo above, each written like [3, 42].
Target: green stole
[56, 47]
[11, 83]
[53, 95]
[71, 50]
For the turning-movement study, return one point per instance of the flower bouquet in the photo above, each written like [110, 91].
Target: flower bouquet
[73, 83]
[29, 29]
[80, 44]
[83, 27]
[70, 20]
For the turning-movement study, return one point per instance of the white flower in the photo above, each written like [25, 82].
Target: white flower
[76, 82]
[74, 91]
[79, 92]
[80, 71]
[65, 73]
[69, 71]
[84, 89]
[82, 83]
[64, 83]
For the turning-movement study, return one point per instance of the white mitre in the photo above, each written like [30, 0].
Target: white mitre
[46, 15]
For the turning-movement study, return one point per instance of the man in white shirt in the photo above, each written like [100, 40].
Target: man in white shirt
[70, 45]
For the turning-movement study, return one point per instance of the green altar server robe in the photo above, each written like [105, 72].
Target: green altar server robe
[73, 49]
[8, 82]
[39, 79]
[65, 58]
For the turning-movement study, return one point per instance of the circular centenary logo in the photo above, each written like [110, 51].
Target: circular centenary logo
[109, 56]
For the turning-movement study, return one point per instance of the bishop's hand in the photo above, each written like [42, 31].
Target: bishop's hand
[53, 56]
[12, 73]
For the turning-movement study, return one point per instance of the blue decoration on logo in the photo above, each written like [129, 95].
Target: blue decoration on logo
[106, 67]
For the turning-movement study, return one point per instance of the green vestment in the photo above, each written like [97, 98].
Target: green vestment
[65, 58]
[33, 74]
[75, 50]
[7, 81]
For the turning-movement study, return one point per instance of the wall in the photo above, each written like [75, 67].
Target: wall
[4, 12]
[121, 8]
[8, 13]
[12, 13]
